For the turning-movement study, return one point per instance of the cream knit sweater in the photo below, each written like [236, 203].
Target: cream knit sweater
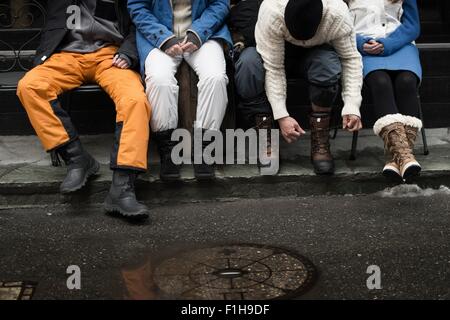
[335, 29]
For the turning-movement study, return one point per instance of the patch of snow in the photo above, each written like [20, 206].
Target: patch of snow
[411, 191]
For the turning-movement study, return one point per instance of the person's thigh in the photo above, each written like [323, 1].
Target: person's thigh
[160, 68]
[321, 66]
[60, 73]
[208, 61]
[249, 74]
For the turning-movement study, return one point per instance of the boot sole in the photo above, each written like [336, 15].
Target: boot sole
[169, 178]
[112, 208]
[91, 172]
[411, 171]
[392, 175]
[205, 177]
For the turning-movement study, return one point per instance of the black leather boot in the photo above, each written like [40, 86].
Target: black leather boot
[169, 171]
[122, 198]
[203, 171]
[80, 166]
[321, 157]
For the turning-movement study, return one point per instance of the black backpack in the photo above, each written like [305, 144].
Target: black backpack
[242, 22]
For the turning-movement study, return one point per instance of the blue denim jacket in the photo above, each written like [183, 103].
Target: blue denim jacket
[154, 22]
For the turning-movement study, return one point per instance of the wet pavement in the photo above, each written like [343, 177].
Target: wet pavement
[302, 248]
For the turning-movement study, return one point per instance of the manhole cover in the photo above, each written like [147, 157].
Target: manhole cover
[21, 290]
[237, 272]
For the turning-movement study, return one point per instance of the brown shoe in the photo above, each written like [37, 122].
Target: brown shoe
[321, 157]
[265, 122]
[396, 141]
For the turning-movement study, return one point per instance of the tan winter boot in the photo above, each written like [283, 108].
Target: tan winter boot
[412, 126]
[391, 129]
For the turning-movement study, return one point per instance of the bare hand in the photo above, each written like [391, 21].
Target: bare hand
[290, 129]
[120, 63]
[373, 47]
[188, 47]
[351, 123]
[174, 50]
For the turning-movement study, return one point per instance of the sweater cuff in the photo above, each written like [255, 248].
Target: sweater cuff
[351, 108]
[279, 111]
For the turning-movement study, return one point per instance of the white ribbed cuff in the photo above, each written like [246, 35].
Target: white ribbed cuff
[279, 112]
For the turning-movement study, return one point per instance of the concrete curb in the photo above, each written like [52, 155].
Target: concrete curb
[224, 188]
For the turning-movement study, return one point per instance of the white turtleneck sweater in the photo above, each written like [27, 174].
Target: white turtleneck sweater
[335, 29]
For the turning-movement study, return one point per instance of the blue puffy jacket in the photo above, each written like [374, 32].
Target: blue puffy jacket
[154, 22]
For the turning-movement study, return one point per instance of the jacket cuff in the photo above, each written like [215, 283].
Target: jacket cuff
[351, 109]
[192, 37]
[124, 57]
[196, 34]
[166, 44]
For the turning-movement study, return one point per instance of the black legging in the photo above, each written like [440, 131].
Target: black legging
[394, 92]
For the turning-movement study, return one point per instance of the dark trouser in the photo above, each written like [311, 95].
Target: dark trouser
[319, 66]
[394, 92]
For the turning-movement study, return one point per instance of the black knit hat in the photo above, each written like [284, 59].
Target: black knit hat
[303, 17]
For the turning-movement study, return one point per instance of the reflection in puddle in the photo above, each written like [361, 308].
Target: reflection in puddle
[238, 272]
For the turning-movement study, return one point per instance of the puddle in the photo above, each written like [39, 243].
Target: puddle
[231, 272]
[412, 191]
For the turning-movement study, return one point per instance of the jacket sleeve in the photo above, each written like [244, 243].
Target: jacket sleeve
[360, 41]
[211, 20]
[129, 47]
[407, 32]
[147, 23]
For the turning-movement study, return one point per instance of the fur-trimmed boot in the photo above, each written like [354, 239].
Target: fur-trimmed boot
[391, 128]
[413, 126]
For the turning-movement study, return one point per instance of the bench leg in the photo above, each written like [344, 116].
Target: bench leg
[354, 146]
[424, 136]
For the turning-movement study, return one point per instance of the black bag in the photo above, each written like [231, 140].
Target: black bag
[243, 17]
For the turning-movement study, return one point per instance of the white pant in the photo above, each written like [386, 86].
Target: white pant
[162, 87]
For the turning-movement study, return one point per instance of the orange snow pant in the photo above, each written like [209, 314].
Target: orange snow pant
[39, 90]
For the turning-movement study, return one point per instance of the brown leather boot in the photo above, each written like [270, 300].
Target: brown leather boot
[396, 141]
[265, 122]
[321, 157]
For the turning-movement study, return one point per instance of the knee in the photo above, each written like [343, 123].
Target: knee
[379, 81]
[29, 84]
[406, 82]
[249, 62]
[325, 70]
[213, 79]
[159, 79]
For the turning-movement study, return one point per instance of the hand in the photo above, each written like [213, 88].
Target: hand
[351, 123]
[290, 129]
[373, 47]
[175, 50]
[120, 62]
[188, 46]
